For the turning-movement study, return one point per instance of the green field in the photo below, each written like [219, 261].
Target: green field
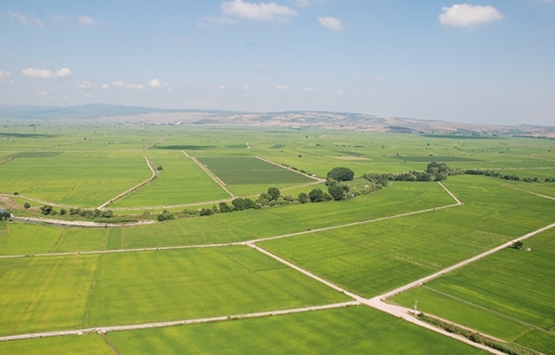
[180, 182]
[87, 165]
[40, 294]
[88, 344]
[499, 292]
[351, 330]
[73, 179]
[68, 292]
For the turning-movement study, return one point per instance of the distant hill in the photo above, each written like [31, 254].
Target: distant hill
[111, 114]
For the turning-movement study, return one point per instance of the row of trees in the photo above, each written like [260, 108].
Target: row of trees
[48, 210]
[500, 175]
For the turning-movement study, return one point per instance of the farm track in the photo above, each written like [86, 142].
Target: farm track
[134, 188]
[377, 302]
[154, 144]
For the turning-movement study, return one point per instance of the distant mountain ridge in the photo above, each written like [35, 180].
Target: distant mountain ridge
[112, 114]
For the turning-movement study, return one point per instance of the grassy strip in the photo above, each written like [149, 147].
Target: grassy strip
[507, 348]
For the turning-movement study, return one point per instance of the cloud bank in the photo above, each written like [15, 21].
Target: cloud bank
[45, 73]
[465, 15]
[263, 11]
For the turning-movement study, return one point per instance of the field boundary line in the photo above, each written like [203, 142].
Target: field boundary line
[134, 188]
[91, 291]
[293, 170]
[213, 176]
[450, 193]
[36, 200]
[516, 320]
[115, 328]
[184, 152]
[7, 160]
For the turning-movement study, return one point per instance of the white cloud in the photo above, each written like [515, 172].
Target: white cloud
[154, 83]
[381, 78]
[23, 19]
[221, 87]
[180, 39]
[340, 92]
[105, 86]
[309, 89]
[45, 73]
[465, 15]
[4, 75]
[281, 87]
[331, 22]
[263, 11]
[85, 84]
[66, 97]
[122, 85]
[42, 93]
[86, 20]
[246, 88]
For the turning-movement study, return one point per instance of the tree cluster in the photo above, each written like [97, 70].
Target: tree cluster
[340, 174]
[5, 215]
[165, 216]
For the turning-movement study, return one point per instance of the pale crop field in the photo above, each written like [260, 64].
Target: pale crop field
[181, 181]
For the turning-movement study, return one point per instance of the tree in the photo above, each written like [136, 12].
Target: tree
[165, 215]
[303, 197]
[160, 167]
[27, 205]
[274, 193]
[46, 209]
[240, 204]
[340, 174]
[224, 207]
[316, 195]
[206, 212]
[336, 192]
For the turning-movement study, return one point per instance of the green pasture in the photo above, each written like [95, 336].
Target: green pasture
[196, 283]
[73, 179]
[248, 175]
[506, 294]
[29, 239]
[86, 344]
[180, 182]
[41, 294]
[373, 258]
[350, 330]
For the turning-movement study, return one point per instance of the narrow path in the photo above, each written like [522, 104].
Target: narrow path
[184, 152]
[142, 208]
[84, 224]
[293, 170]
[530, 192]
[154, 144]
[450, 193]
[116, 328]
[214, 177]
[134, 188]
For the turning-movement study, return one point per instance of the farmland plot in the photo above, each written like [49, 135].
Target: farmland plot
[180, 182]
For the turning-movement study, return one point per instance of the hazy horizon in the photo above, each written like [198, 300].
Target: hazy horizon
[479, 62]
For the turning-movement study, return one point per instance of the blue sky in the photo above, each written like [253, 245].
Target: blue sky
[480, 62]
